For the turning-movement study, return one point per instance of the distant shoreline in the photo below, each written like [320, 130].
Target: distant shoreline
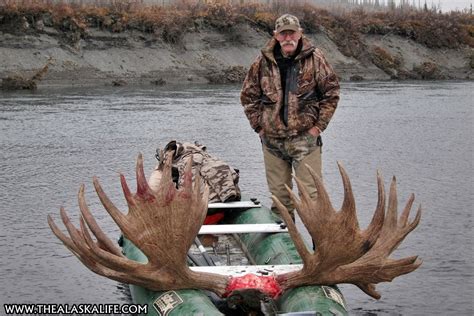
[203, 51]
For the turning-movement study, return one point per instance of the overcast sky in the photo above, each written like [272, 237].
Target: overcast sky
[447, 5]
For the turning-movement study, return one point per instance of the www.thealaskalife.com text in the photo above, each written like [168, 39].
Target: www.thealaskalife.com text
[25, 309]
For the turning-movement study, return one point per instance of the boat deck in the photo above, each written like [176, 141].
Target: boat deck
[223, 250]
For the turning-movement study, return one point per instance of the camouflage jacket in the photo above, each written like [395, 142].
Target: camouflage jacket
[221, 178]
[312, 96]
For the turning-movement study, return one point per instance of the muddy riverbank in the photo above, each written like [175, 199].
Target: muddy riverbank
[204, 52]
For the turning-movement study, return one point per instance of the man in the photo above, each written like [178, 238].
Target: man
[289, 96]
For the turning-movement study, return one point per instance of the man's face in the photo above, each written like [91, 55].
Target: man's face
[288, 41]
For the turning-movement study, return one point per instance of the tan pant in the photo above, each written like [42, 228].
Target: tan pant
[279, 173]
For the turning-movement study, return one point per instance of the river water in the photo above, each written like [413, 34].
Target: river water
[54, 140]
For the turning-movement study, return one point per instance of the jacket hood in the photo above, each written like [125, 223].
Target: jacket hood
[306, 50]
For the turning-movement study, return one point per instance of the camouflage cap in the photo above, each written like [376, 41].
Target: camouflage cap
[287, 22]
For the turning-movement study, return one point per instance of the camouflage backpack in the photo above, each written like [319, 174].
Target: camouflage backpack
[221, 178]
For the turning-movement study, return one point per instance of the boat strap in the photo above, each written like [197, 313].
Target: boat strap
[242, 229]
[234, 205]
[263, 270]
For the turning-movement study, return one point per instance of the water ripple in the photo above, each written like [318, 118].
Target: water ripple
[54, 140]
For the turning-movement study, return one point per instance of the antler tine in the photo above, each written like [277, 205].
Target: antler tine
[403, 230]
[348, 205]
[103, 240]
[119, 218]
[416, 220]
[69, 244]
[313, 213]
[77, 238]
[74, 233]
[323, 196]
[126, 192]
[378, 218]
[406, 211]
[61, 236]
[295, 235]
[391, 217]
[105, 258]
[394, 231]
[75, 243]
[369, 289]
[303, 193]
[143, 189]
[394, 268]
[402, 226]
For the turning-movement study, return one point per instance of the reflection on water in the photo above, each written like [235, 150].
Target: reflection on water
[54, 140]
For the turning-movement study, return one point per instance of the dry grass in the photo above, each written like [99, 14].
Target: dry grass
[383, 59]
[429, 70]
[429, 28]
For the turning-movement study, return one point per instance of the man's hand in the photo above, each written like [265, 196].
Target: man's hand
[314, 131]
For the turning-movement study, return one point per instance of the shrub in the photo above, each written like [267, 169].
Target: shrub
[429, 70]
[430, 28]
[384, 60]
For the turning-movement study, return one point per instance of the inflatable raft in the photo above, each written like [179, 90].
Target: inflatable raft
[245, 238]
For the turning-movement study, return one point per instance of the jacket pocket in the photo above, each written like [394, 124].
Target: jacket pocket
[305, 86]
[310, 95]
[308, 108]
[267, 102]
[308, 102]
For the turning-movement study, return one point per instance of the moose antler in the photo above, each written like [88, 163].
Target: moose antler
[161, 223]
[344, 253]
